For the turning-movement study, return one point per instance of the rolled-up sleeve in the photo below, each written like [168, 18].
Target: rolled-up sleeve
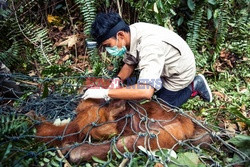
[152, 59]
[130, 60]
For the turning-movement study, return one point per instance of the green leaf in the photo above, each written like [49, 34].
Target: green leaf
[51, 153]
[191, 4]
[173, 12]
[7, 150]
[41, 163]
[45, 90]
[58, 158]
[216, 13]
[155, 8]
[209, 14]
[240, 140]
[54, 163]
[88, 165]
[213, 2]
[216, 23]
[58, 6]
[237, 112]
[46, 160]
[117, 154]
[189, 159]
[124, 145]
[160, 5]
[180, 21]
[98, 160]
[107, 3]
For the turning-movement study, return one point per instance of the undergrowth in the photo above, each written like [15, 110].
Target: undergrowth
[217, 31]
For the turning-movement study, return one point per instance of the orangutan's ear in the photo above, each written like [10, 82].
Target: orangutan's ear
[116, 107]
[84, 105]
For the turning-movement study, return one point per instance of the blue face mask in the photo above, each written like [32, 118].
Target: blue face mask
[115, 51]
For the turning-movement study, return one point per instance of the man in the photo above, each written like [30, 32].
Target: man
[166, 63]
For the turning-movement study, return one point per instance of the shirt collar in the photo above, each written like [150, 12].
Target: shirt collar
[133, 41]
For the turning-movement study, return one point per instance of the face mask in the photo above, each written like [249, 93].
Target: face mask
[115, 51]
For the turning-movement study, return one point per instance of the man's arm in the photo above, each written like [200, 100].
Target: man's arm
[126, 71]
[137, 91]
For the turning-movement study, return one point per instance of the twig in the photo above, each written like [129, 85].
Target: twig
[119, 8]
[28, 82]
[77, 69]
[67, 164]
[72, 24]
[20, 26]
[41, 47]
[124, 162]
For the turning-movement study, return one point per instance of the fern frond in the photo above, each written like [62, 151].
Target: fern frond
[38, 36]
[12, 125]
[238, 36]
[10, 56]
[88, 10]
[194, 26]
[19, 148]
[221, 25]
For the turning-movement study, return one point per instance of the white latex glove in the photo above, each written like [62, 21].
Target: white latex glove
[96, 93]
[115, 83]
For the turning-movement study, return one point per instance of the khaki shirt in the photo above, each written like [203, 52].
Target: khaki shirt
[162, 56]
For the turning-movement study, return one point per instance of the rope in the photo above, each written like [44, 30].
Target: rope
[61, 103]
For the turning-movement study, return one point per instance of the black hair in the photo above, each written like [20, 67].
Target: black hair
[103, 23]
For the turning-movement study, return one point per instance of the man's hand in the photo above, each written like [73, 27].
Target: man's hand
[96, 93]
[116, 83]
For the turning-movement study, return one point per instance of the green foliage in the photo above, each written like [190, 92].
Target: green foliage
[18, 145]
[155, 11]
[88, 11]
[189, 158]
[56, 71]
[243, 144]
[10, 56]
[237, 40]
[14, 146]
[26, 39]
[100, 64]
[195, 26]
[38, 36]
[208, 26]
[13, 124]
[61, 79]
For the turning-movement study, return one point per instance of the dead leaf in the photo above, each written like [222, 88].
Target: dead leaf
[224, 54]
[158, 164]
[231, 128]
[218, 66]
[60, 28]
[229, 63]
[245, 59]
[242, 125]
[53, 19]
[244, 90]
[65, 58]
[70, 41]
[32, 73]
[220, 95]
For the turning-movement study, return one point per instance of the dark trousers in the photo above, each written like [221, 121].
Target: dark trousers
[175, 98]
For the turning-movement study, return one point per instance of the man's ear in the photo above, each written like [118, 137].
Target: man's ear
[121, 34]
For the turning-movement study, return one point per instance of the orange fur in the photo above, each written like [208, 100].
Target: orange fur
[169, 132]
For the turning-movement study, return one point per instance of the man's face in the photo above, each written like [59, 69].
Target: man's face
[118, 41]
